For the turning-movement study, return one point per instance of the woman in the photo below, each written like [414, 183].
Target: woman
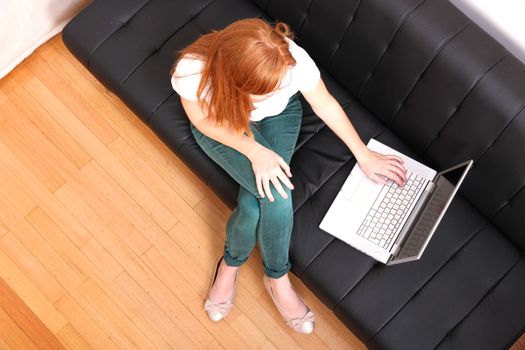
[239, 87]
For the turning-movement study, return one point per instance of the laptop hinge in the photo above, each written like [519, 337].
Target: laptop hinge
[395, 249]
[430, 187]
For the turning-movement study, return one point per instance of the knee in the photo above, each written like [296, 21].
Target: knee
[250, 207]
[280, 206]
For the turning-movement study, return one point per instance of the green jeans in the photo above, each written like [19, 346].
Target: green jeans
[256, 219]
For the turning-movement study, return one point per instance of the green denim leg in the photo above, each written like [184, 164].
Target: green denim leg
[256, 219]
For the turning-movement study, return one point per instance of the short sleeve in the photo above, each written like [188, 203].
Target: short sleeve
[186, 78]
[307, 71]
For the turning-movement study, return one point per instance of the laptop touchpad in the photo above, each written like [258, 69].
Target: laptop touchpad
[366, 191]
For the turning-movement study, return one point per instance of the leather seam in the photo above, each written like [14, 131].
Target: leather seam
[454, 255]
[150, 114]
[446, 42]
[300, 30]
[506, 202]
[501, 133]
[365, 85]
[192, 18]
[511, 198]
[352, 19]
[487, 293]
[113, 32]
[460, 104]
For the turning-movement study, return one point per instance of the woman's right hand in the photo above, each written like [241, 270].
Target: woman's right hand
[269, 166]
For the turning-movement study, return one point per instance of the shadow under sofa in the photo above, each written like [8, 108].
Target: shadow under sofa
[417, 75]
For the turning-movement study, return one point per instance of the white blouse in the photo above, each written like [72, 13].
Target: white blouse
[304, 76]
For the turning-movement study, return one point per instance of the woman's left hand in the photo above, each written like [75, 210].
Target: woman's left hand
[377, 166]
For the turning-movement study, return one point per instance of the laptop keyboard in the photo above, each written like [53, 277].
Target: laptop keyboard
[389, 210]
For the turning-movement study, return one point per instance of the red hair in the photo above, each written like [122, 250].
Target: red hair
[249, 56]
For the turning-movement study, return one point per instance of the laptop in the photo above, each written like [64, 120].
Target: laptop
[393, 224]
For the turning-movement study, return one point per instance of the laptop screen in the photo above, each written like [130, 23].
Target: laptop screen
[453, 175]
[447, 183]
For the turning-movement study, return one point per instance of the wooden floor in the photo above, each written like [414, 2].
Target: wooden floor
[107, 240]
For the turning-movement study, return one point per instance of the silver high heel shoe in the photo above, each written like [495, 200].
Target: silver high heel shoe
[303, 324]
[217, 311]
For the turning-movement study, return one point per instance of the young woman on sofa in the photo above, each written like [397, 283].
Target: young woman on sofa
[239, 87]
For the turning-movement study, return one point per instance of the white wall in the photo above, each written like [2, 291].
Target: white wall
[504, 20]
[26, 24]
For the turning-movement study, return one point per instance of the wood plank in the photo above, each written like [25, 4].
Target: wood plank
[158, 324]
[12, 337]
[71, 338]
[80, 320]
[71, 96]
[48, 51]
[214, 345]
[19, 78]
[26, 291]
[3, 96]
[145, 200]
[15, 199]
[114, 322]
[53, 262]
[61, 48]
[140, 272]
[3, 344]
[32, 268]
[247, 329]
[3, 228]
[26, 320]
[140, 168]
[102, 257]
[18, 176]
[213, 215]
[32, 147]
[95, 212]
[36, 115]
[15, 202]
[85, 214]
[141, 216]
[62, 243]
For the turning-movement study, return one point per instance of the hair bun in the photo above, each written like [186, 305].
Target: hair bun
[283, 29]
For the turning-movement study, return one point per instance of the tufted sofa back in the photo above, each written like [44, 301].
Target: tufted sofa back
[436, 79]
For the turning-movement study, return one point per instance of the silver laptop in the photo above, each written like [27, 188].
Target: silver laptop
[393, 224]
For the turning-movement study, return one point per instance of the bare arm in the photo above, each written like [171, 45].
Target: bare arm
[372, 163]
[267, 165]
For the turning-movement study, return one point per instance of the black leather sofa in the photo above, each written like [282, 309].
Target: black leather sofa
[417, 75]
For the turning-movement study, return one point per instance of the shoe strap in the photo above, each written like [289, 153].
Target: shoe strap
[223, 308]
[309, 316]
